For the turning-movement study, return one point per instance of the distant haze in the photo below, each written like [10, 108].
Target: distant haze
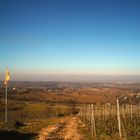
[76, 78]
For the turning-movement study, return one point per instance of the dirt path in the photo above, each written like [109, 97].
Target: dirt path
[64, 130]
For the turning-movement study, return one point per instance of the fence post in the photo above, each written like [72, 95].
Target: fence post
[119, 119]
[93, 126]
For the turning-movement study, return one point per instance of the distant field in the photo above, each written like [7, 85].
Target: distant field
[70, 92]
[24, 111]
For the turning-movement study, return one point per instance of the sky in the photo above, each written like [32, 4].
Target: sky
[65, 39]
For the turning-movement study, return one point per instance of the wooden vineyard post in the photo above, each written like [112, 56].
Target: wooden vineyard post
[89, 118]
[119, 119]
[93, 126]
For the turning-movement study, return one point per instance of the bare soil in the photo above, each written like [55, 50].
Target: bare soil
[65, 130]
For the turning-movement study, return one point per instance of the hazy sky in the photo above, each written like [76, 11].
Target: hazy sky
[69, 37]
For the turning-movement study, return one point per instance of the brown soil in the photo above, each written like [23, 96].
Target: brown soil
[65, 130]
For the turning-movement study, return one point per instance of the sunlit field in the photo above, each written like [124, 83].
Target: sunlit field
[31, 109]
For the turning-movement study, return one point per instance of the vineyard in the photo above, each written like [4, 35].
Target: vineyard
[71, 114]
[27, 111]
[120, 121]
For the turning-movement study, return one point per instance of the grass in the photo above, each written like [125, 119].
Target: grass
[26, 119]
[31, 130]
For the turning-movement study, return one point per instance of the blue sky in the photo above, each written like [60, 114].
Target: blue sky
[69, 37]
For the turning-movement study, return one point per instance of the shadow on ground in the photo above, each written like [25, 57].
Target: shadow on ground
[13, 135]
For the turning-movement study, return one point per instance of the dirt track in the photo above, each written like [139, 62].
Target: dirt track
[65, 130]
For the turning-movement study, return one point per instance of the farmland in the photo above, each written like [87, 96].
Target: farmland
[35, 106]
